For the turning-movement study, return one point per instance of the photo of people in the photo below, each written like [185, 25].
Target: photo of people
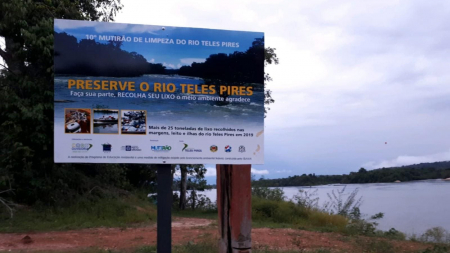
[77, 121]
[133, 121]
[106, 121]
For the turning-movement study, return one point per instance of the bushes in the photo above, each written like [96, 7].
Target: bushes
[86, 212]
[276, 211]
[322, 219]
[340, 213]
[338, 204]
[307, 199]
[276, 194]
[437, 249]
[268, 205]
[436, 235]
[394, 234]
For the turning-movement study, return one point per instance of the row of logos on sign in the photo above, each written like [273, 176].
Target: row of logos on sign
[84, 147]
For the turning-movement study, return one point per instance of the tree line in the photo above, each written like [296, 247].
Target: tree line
[238, 68]
[91, 58]
[384, 175]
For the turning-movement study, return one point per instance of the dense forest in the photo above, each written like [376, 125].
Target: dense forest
[88, 57]
[384, 175]
[238, 68]
[91, 58]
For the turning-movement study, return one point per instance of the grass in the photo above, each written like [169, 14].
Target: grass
[203, 214]
[112, 212]
[376, 246]
[134, 211]
[282, 214]
[202, 247]
[131, 211]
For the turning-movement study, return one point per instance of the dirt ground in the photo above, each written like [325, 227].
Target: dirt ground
[183, 230]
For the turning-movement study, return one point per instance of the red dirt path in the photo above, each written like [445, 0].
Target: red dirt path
[183, 231]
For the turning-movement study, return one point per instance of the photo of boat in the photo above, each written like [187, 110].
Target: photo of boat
[133, 122]
[106, 121]
[77, 121]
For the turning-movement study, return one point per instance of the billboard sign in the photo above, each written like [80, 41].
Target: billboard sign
[129, 93]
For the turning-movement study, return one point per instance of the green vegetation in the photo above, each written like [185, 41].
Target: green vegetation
[438, 249]
[272, 213]
[436, 235]
[209, 246]
[384, 175]
[82, 58]
[198, 213]
[87, 212]
[269, 210]
[377, 246]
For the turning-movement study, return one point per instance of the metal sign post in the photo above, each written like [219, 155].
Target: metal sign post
[164, 209]
[234, 203]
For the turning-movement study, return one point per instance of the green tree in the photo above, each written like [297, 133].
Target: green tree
[26, 92]
[270, 57]
[197, 171]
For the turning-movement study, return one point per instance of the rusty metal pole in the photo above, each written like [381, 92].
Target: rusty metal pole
[234, 203]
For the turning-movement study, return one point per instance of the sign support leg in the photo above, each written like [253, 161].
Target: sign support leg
[164, 209]
[234, 204]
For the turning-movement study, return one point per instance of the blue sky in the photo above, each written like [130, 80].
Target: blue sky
[172, 55]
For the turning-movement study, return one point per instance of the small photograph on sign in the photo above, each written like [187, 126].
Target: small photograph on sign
[77, 121]
[106, 121]
[133, 121]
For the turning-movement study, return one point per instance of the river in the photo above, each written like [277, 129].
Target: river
[410, 207]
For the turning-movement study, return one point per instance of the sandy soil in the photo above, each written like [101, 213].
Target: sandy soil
[183, 231]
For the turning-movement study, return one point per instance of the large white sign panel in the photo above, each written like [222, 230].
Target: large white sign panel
[149, 94]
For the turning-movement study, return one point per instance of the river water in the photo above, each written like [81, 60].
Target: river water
[411, 207]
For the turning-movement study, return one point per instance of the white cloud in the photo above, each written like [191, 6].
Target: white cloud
[259, 172]
[168, 65]
[189, 61]
[107, 27]
[143, 29]
[211, 172]
[408, 160]
[64, 24]
[152, 60]
[111, 27]
[283, 171]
